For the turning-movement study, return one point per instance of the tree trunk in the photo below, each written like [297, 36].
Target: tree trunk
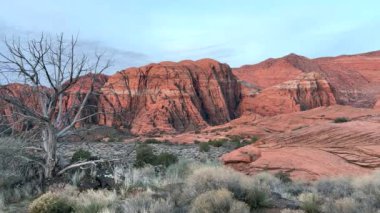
[50, 146]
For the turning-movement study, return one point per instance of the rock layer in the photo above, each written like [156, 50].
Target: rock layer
[307, 91]
[170, 97]
[354, 79]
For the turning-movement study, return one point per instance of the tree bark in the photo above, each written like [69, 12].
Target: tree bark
[49, 140]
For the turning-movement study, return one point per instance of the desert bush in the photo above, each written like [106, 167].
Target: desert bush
[144, 202]
[166, 159]
[145, 155]
[179, 170]
[334, 188]
[71, 200]
[217, 201]
[50, 203]
[204, 147]
[214, 178]
[341, 120]
[344, 205]
[283, 176]
[217, 142]
[254, 139]
[81, 155]
[309, 202]
[94, 201]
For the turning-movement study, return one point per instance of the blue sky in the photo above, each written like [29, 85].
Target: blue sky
[238, 32]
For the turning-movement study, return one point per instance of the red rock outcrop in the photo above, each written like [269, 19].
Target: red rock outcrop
[76, 93]
[309, 145]
[11, 115]
[354, 79]
[307, 91]
[170, 97]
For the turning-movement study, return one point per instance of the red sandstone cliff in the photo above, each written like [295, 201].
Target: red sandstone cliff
[354, 79]
[307, 91]
[170, 97]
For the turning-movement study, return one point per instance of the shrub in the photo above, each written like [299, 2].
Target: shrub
[166, 159]
[345, 205]
[144, 202]
[341, 120]
[179, 170]
[213, 178]
[218, 201]
[256, 198]
[94, 201]
[283, 177]
[204, 147]
[254, 139]
[309, 202]
[334, 188]
[144, 155]
[217, 142]
[50, 203]
[81, 155]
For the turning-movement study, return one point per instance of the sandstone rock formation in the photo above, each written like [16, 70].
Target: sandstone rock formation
[75, 95]
[309, 145]
[307, 91]
[170, 97]
[354, 79]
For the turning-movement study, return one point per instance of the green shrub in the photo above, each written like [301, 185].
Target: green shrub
[152, 141]
[204, 147]
[254, 139]
[50, 203]
[217, 142]
[166, 159]
[256, 198]
[341, 120]
[283, 176]
[217, 201]
[144, 155]
[81, 155]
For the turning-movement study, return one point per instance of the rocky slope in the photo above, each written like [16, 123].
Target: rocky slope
[170, 97]
[309, 144]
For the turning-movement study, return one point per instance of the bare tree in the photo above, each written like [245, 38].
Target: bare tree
[48, 68]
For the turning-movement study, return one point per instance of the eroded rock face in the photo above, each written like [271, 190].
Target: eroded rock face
[354, 79]
[170, 97]
[307, 91]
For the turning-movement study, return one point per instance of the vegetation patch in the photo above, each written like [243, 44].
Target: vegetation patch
[204, 147]
[341, 120]
[81, 155]
[145, 155]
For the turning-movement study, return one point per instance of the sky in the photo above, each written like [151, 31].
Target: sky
[237, 32]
